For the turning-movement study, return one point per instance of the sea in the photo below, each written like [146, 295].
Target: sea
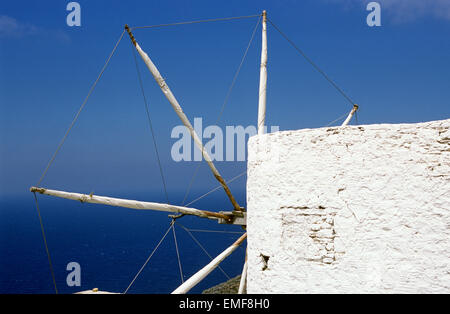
[110, 245]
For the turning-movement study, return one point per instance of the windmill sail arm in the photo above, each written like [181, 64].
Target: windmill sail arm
[350, 115]
[263, 78]
[179, 111]
[205, 271]
[133, 204]
[243, 281]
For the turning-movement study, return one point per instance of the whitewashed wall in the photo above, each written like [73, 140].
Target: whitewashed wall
[360, 209]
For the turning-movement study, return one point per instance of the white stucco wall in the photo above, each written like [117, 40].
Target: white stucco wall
[360, 209]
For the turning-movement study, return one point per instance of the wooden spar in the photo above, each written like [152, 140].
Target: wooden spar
[202, 273]
[243, 281]
[176, 106]
[350, 115]
[95, 199]
[263, 77]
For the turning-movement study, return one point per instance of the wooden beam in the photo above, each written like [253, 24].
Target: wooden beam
[263, 77]
[133, 204]
[176, 106]
[350, 115]
[202, 273]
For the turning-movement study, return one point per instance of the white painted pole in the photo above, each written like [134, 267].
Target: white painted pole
[243, 281]
[350, 115]
[202, 273]
[176, 106]
[95, 199]
[263, 77]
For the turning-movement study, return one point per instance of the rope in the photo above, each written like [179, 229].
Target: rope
[150, 123]
[216, 188]
[150, 256]
[79, 110]
[340, 118]
[190, 184]
[201, 246]
[313, 64]
[217, 231]
[197, 21]
[45, 243]
[227, 96]
[176, 248]
[238, 70]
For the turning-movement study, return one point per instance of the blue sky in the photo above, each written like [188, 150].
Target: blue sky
[399, 72]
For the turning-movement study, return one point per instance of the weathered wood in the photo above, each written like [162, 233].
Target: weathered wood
[202, 273]
[243, 282]
[263, 77]
[95, 199]
[176, 106]
[350, 115]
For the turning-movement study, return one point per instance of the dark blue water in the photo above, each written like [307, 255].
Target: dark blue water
[110, 244]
